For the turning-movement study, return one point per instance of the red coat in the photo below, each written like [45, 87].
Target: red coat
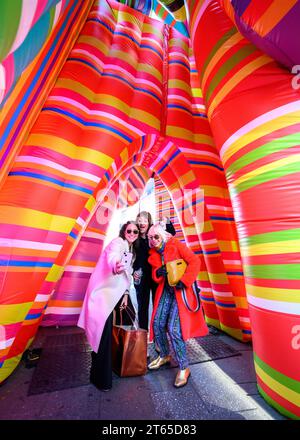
[192, 323]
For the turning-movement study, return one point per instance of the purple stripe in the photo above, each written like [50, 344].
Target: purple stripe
[62, 320]
[240, 6]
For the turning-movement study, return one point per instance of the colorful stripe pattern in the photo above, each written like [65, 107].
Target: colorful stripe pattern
[126, 97]
[272, 26]
[23, 31]
[258, 143]
[25, 102]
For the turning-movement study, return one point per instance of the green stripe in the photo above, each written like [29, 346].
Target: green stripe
[276, 173]
[265, 150]
[276, 405]
[274, 272]
[227, 67]
[288, 382]
[218, 45]
[9, 23]
[271, 237]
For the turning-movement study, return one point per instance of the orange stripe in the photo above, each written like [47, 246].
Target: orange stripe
[277, 10]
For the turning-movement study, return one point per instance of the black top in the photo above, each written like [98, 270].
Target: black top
[170, 228]
[142, 255]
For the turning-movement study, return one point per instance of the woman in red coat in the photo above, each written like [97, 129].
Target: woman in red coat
[170, 313]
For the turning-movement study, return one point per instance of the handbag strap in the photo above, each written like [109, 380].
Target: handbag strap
[184, 297]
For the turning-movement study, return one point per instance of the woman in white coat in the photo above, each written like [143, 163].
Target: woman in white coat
[109, 282]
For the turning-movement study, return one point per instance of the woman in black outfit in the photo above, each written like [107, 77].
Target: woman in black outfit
[146, 284]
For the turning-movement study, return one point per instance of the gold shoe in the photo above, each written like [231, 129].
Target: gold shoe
[182, 378]
[159, 362]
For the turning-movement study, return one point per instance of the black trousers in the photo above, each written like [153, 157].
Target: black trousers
[101, 369]
[143, 299]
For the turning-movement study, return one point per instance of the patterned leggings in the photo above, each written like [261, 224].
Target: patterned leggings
[167, 320]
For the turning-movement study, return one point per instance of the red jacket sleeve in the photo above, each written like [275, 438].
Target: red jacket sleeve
[193, 264]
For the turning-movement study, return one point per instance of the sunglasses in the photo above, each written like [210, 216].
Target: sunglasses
[154, 237]
[134, 231]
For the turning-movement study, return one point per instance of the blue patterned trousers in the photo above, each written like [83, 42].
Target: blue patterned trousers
[167, 320]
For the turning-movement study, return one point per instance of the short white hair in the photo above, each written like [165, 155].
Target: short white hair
[157, 229]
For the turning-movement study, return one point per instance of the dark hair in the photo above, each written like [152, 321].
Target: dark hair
[147, 215]
[135, 244]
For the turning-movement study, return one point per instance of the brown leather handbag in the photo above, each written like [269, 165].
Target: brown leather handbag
[175, 269]
[129, 350]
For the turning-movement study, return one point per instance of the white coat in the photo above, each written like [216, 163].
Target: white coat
[104, 290]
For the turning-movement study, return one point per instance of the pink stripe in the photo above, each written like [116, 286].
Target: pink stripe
[9, 68]
[27, 233]
[39, 10]
[266, 117]
[199, 16]
[11, 330]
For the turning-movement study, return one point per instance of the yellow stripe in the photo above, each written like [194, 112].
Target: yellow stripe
[282, 390]
[260, 131]
[228, 44]
[218, 278]
[241, 302]
[71, 150]
[236, 333]
[265, 168]
[35, 219]
[275, 294]
[277, 247]
[95, 42]
[235, 80]
[13, 313]
[8, 366]
[55, 273]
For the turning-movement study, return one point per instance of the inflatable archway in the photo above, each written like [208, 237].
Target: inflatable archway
[112, 89]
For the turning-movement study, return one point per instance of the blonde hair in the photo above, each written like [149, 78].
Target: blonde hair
[157, 229]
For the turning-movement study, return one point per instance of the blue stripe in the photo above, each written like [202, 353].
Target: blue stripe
[247, 332]
[216, 217]
[230, 306]
[50, 179]
[207, 299]
[181, 107]
[146, 46]
[73, 235]
[195, 162]
[210, 252]
[169, 161]
[88, 124]
[180, 62]
[32, 316]
[235, 273]
[25, 263]
[101, 22]
[37, 76]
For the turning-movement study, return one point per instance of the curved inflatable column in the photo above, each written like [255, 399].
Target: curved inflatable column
[271, 26]
[254, 114]
[26, 100]
[187, 126]
[23, 32]
[107, 93]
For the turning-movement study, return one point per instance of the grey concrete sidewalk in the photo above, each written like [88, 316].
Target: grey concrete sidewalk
[223, 389]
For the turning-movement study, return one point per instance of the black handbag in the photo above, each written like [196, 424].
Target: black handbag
[196, 291]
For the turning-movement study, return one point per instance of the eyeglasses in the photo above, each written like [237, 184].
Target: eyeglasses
[130, 231]
[154, 237]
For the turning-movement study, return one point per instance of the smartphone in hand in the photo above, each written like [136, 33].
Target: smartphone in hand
[126, 260]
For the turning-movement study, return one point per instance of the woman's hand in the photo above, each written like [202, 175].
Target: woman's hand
[124, 302]
[119, 267]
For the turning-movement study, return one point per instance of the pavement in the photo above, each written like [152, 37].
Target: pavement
[223, 389]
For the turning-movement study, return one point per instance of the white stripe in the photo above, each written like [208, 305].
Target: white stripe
[82, 269]
[275, 306]
[26, 244]
[57, 13]
[235, 262]
[80, 222]
[2, 81]
[42, 298]
[220, 207]
[63, 310]
[244, 319]
[224, 294]
[94, 235]
[6, 343]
